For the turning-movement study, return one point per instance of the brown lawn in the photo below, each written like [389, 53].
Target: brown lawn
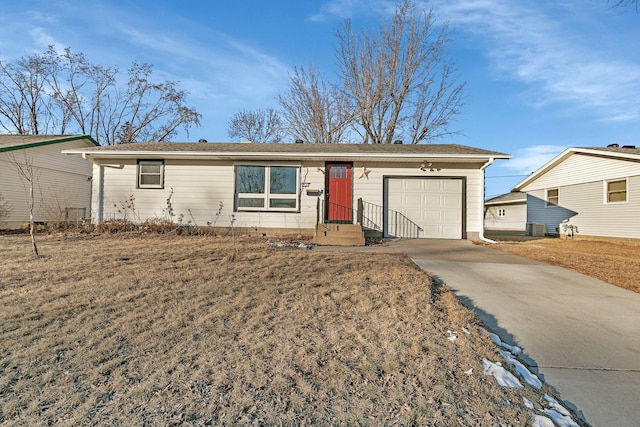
[166, 330]
[615, 261]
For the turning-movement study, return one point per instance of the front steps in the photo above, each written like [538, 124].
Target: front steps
[339, 235]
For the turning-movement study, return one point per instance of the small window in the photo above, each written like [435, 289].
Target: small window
[267, 188]
[617, 191]
[552, 197]
[150, 174]
[502, 212]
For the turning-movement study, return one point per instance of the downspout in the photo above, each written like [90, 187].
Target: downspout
[481, 235]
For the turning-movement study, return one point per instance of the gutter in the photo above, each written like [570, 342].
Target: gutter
[481, 235]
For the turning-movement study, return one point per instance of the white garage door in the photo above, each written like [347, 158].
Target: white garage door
[433, 205]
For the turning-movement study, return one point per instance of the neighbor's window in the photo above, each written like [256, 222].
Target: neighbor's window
[502, 212]
[150, 174]
[617, 191]
[267, 188]
[552, 197]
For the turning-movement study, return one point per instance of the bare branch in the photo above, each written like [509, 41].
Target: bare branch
[65, 93]
[315, 111]
[256, 126]
[399, 78]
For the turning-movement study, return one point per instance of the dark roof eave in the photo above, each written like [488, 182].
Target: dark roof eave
[454, 157]
[53, 140]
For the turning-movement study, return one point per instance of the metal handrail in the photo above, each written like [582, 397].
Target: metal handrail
[398, 225]
[371, 217]
[337, 210]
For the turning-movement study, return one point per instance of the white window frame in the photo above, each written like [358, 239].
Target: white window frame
[557, 197]
[266, 195]
[140, 174]
[607, 192]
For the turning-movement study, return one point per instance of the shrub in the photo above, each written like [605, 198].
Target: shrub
[116, 226]
[158, 225]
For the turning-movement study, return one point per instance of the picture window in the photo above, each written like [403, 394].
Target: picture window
[267, 188]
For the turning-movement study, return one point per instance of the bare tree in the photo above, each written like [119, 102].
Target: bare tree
[25, 107]
[314, 110]
[399, 78]
[256, 126]
[65, 93]
[30, 176]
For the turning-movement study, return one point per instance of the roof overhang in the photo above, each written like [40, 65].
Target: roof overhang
[32, 141]
[263, 156]
[508, 202]
[566, 154]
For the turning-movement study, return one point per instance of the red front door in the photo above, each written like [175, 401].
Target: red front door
[339, 207]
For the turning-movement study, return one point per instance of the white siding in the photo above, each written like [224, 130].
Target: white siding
[582, 168]
[62, 182]
[200, 186]
[514, 219]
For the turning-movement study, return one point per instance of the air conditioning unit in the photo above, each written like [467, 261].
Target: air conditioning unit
[537, 230]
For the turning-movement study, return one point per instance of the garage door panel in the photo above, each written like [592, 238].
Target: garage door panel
[435, 205]
[450, 201]
[451, 186]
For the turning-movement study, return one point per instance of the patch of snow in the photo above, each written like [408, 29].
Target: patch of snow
[558, 413]
[466, 331]
[541, 421]
[504, 377]
[525, 373]
[469, 372]
[559, 419]
[496, 339]
[452, 336]
[528, 403]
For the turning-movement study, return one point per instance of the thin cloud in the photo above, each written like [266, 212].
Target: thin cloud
[529, 159]
[528, 43]
[345, 9]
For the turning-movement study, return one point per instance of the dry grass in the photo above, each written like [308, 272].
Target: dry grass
[165, 330]
[615, 261]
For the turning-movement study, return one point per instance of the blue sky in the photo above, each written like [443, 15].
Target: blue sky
[542, 75]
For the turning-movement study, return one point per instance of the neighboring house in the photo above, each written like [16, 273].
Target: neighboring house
[596, 190]
[62, 190]
[429, 190]
[507, 212]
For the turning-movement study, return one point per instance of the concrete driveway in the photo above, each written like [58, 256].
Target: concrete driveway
[581, 335]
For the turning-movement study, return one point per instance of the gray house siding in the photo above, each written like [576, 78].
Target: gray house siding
[539, 213]
[581, 181]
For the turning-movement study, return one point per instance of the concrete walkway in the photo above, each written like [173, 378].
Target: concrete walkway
[581, 335]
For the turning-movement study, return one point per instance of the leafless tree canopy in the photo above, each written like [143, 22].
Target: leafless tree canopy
[399, 78]
[256, 126]
[314, 110]
[63, 93]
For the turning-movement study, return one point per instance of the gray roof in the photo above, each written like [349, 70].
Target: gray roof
[352, 149]
[18, 142]
[626, 149]
[508, 198]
